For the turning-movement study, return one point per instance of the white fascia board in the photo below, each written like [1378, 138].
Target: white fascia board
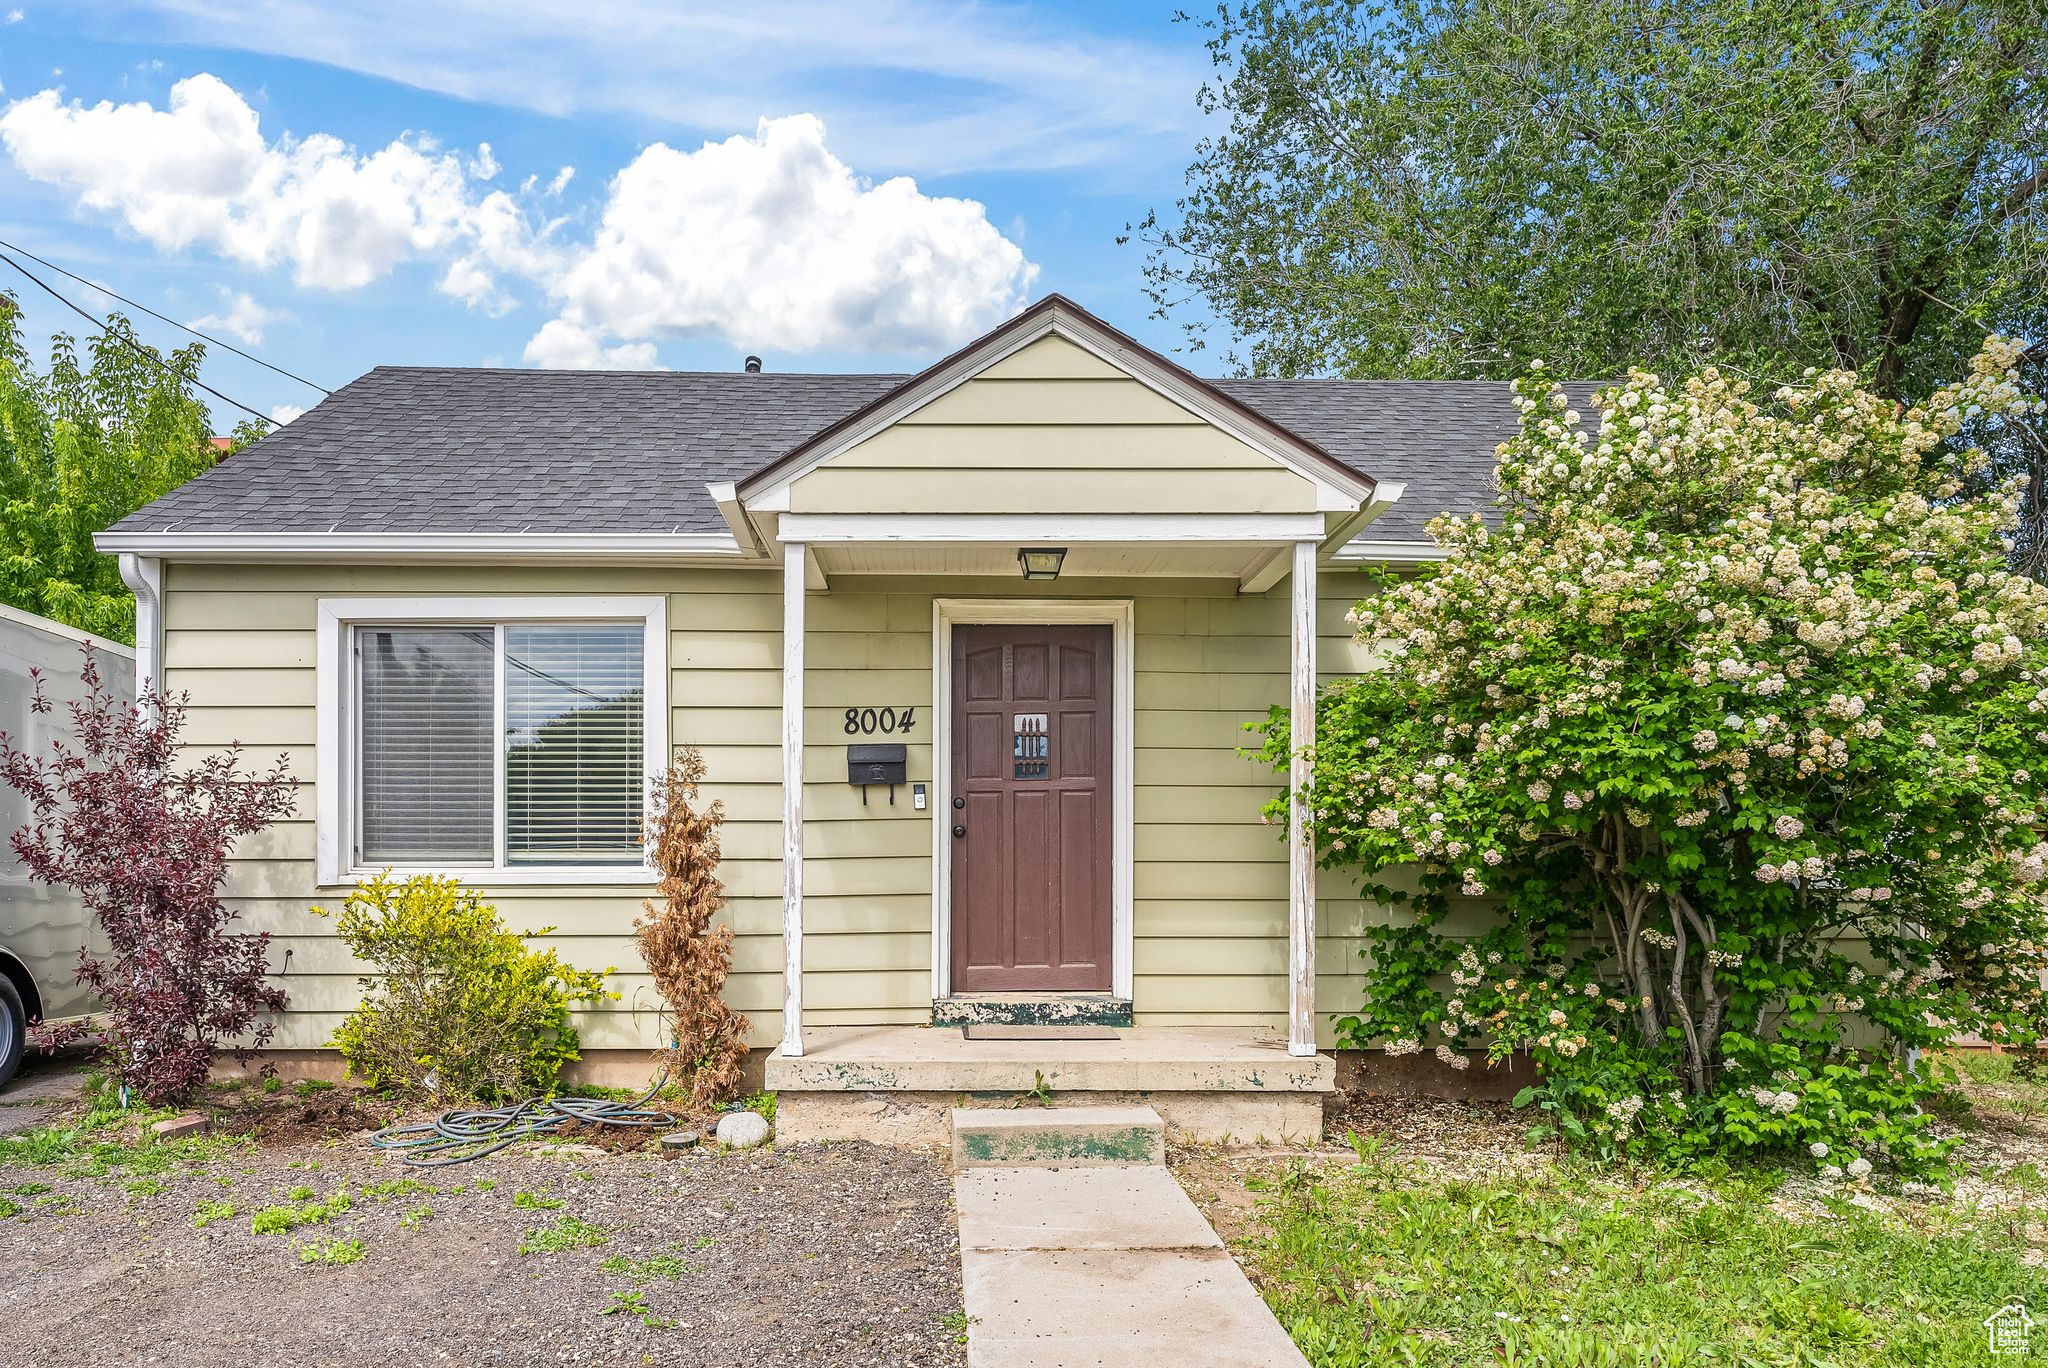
[1050, 528]
[1389, 553]
[423, 546]
[1336, 490]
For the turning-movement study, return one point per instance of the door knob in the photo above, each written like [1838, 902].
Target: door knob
[959, 831]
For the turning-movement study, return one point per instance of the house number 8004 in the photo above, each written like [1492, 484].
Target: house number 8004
[887, 721]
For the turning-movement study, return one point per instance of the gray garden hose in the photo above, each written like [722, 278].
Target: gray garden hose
[456, 1137]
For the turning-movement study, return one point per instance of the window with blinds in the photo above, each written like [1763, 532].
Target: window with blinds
[430, 745]
[574, 743]
[428, 770]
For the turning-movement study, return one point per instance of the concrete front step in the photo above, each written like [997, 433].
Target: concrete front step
[899, 1085]
[1042, 1137]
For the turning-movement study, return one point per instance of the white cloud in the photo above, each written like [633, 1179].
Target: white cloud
[284, 413]
[768, 240]
[240, 317]
[200, 173]
[14, 16]
[771, 241]
[562, 345]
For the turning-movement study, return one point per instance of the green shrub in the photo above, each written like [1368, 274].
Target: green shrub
[1733, 735]
[456, 1007]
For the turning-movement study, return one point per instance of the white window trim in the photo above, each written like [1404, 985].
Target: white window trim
[334, 795]
[1118, 613]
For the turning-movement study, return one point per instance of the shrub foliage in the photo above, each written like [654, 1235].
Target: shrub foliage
[456, 1007]
[145, 841]
[688, 956]
[1738, 723]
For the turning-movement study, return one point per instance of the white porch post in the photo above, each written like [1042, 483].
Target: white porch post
[793, 564]
[1301, 854]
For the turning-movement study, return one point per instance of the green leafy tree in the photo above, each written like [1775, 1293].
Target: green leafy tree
[1738, 722]
[1452, 188]
[82, 445]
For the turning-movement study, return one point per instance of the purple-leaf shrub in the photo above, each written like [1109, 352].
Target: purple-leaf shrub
[143, 835]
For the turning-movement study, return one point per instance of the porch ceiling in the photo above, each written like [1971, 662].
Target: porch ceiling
[1225, 560]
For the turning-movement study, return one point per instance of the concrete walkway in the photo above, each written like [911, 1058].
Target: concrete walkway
[1094, 1267]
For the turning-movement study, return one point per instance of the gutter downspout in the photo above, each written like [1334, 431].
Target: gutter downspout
[145, 576]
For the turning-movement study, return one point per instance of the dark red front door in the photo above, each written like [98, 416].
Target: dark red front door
[1032, 749]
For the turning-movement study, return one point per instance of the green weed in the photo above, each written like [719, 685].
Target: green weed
[276, 1220]
[334, 1252]
[635, 1304]
[566, 1233]
[206, 1213]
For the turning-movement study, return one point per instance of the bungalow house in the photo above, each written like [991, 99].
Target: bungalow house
[969, 653]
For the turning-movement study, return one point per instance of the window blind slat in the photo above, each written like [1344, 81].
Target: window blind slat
[426, 744]
[575, 738]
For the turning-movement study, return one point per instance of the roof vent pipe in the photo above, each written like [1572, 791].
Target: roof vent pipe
[753, 365]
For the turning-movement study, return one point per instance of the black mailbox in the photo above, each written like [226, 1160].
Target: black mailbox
[882, 764]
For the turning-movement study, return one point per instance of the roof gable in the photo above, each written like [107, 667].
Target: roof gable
[1055, 366]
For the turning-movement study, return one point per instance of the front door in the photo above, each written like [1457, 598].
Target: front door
[1032, 748]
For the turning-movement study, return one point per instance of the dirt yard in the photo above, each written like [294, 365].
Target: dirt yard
[117, 1253]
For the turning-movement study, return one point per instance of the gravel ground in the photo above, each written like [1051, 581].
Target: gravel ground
[843, 1254]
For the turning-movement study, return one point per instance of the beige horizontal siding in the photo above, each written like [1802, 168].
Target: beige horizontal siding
[1210, 912]
[1055, 430]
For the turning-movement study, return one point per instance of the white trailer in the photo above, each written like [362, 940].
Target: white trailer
[42, 927]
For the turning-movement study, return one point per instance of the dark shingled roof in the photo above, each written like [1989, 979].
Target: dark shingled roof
[442, 449]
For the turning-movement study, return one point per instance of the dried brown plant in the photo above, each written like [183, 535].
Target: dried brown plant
[688, 956]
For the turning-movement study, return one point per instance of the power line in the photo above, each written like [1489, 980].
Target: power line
[128, 340]
[183, 327]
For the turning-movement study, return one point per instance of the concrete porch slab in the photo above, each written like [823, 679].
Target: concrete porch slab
[1144, 1059]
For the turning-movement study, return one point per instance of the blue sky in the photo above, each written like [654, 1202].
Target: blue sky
[832, 185]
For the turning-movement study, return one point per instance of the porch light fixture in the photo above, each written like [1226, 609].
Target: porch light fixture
[1041, 562]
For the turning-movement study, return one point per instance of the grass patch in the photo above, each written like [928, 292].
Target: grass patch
[1380, 1263]
[334, 1252]
[762, 1102]
[415, 1217]
[109, 1137]
[276, 1220]
[144, 1187]
[527, 1201]
[9, 1208]
[566, 1233]
[1999, 1083]
[400, 1187]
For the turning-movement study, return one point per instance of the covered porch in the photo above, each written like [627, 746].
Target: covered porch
[1041, 590]
[847, 556]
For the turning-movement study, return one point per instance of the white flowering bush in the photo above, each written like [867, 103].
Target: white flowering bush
[1737, 723]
